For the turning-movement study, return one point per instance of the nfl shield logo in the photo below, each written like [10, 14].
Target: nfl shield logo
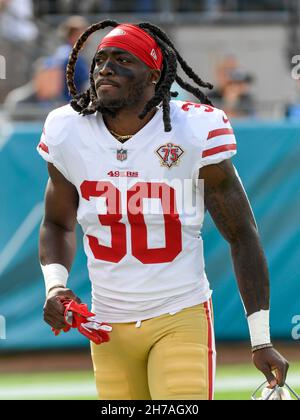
[121, 154]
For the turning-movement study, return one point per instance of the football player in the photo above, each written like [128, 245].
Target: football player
[113, 154]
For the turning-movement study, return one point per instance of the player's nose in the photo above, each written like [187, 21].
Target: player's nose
[106, 69]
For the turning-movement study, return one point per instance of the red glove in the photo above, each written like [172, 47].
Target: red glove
[78, 316]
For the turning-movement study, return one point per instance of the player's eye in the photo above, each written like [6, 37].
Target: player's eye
[123, 60]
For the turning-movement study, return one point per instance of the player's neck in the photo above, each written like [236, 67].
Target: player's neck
[127, 122]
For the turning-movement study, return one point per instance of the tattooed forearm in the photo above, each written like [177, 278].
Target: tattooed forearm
[229, 207]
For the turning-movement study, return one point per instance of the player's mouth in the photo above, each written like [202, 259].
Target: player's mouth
[106, 84]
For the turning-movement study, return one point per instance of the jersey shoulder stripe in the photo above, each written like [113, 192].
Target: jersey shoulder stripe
[219, 132]
[218, 149]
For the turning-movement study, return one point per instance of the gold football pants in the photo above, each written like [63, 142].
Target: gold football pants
[167, 357]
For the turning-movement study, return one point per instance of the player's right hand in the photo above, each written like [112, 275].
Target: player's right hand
[54, 308]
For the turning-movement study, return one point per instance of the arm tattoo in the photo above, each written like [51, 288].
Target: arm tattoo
[229, 207]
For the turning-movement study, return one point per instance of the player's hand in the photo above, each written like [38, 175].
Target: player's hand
[54, 308]
[268, 361]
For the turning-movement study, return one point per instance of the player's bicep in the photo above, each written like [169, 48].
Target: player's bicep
[61, 200]
[226, 201]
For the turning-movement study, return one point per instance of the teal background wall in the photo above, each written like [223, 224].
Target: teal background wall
[268, 162]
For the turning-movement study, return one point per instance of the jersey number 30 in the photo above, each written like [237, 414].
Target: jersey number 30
[139, 245]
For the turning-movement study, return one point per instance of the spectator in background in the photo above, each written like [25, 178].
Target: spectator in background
[71, 29]
[233, 89]
[16, 21]
[44, 91]
[237, 100]
[226, 66]
[18, 34]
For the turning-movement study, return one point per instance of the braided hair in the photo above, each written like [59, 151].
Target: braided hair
[87, 103]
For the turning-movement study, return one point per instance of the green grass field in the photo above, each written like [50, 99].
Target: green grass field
[233, 383]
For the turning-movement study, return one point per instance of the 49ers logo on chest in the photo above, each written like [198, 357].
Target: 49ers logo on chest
[170, 154]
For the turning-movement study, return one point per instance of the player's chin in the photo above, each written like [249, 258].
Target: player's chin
[107, 92]
[110, 101]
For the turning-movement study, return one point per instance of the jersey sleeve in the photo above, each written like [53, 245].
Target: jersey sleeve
[50, 144]
[218, 142]
[43, 147]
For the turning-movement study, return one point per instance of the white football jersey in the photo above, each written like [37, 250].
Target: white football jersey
[140, 207]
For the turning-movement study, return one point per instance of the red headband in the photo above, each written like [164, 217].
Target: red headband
[136, 41]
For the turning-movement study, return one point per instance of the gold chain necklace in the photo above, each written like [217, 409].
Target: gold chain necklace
[119, 137]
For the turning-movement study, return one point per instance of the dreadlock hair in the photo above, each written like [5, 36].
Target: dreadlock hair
[87, 103]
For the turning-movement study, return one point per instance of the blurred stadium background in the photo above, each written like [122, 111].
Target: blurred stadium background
[249, 49]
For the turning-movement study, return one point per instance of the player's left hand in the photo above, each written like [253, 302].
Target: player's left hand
[268, 361]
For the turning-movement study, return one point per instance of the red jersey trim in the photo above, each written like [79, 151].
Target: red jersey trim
[219, 132]
[219, 149]
[44, 147]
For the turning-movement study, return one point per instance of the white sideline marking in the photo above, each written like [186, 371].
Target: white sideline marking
[62, 390]
[250, 382]
[88, 388]
[21, 235]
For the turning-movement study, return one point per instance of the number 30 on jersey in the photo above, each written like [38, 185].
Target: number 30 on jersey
[139, 246]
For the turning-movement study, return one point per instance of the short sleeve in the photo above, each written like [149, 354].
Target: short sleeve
[43, 147]
[219, 142]
[50, 146]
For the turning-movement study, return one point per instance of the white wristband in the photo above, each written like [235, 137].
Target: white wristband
[54, 275]
[259, 327]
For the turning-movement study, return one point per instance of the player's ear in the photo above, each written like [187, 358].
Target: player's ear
[155, 76]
